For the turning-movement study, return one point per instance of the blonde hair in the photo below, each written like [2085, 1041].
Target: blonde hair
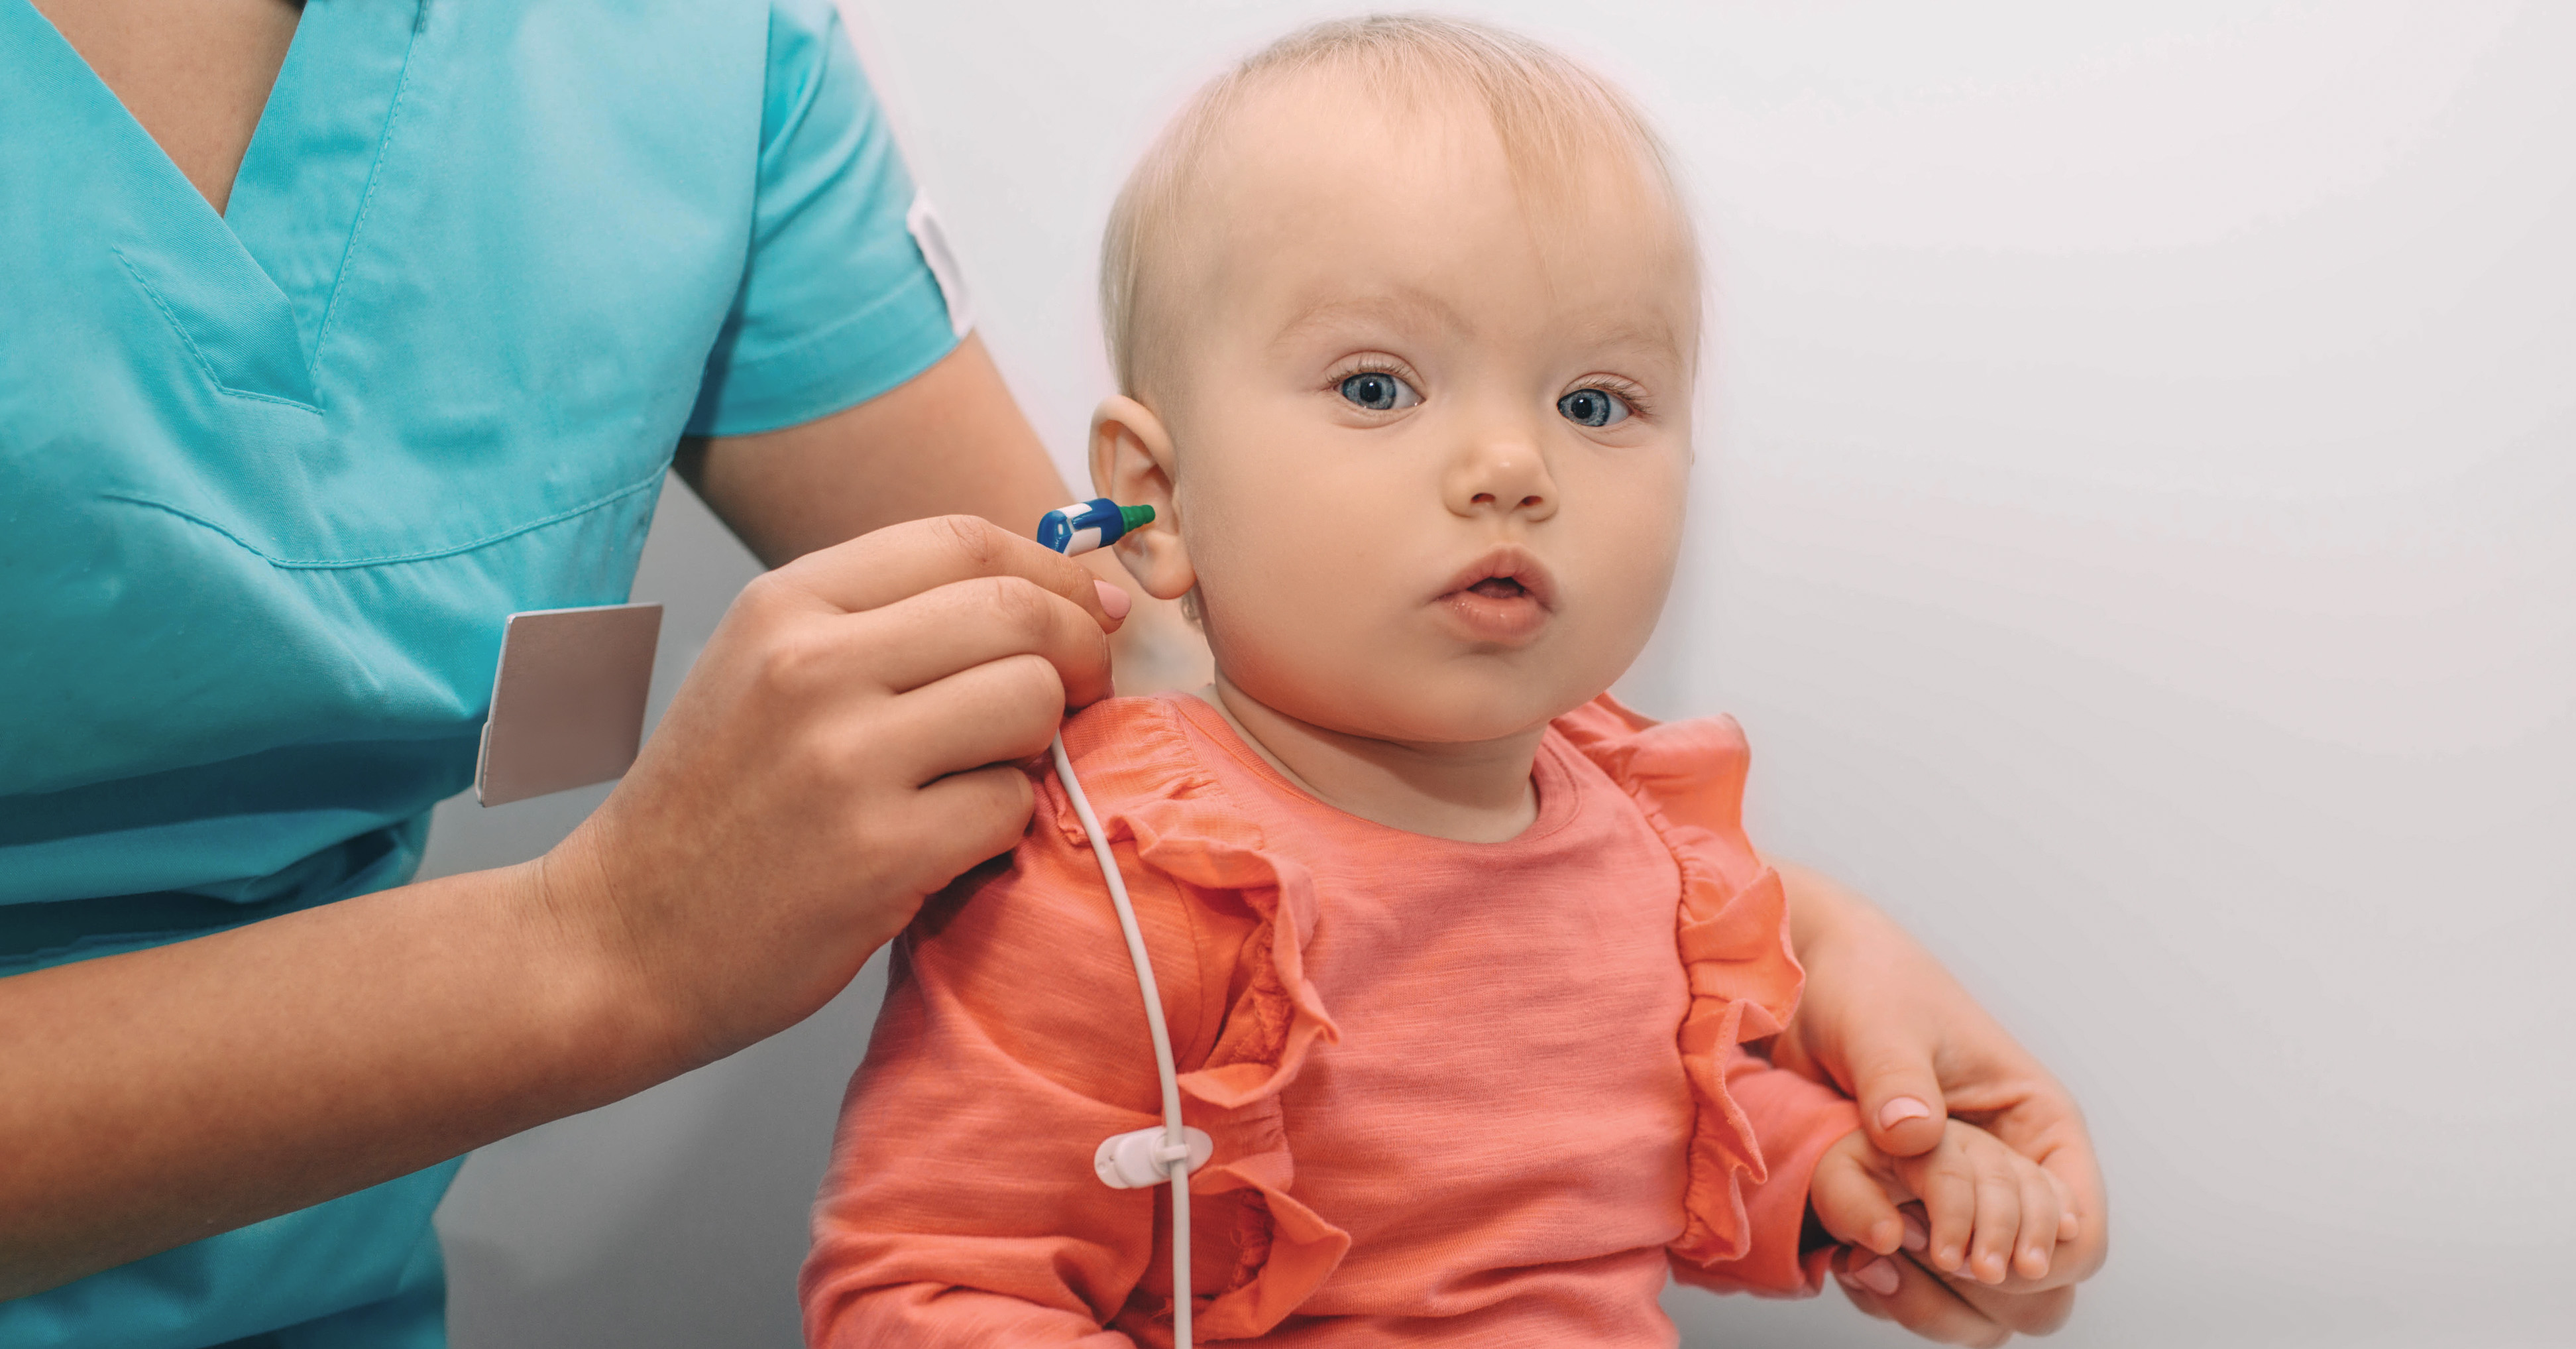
[1547, 110]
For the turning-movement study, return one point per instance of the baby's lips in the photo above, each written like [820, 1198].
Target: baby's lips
[1509, 560]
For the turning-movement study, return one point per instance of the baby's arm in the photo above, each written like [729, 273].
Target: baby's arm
[960, 1206]
[1796, 1122]
[1988, 1212]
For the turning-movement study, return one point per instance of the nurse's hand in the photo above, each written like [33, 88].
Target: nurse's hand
[1885, 1023]
[847, 744]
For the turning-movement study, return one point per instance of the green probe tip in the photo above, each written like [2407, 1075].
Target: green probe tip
[1135, 517]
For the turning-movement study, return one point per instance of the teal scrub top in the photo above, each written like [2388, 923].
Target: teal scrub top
[270, 480]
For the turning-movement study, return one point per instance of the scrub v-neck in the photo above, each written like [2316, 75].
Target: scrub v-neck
[242, 43]
[252, 288]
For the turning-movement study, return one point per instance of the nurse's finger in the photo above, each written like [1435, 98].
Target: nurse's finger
[939, 632]
[973, 816]
[999, 712]
[900, 561]
[1894, 1288]
[819, 662]
[2039, 1313]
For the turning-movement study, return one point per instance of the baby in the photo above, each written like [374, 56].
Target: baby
[1460, 958]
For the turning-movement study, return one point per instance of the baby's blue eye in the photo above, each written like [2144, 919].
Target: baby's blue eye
[1593, 407]
[1379, 391]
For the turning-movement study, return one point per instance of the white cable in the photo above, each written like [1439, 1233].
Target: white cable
[1175, 1154]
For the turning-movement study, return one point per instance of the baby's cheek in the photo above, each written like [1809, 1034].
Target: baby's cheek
[1276, 625]
[1627, 581]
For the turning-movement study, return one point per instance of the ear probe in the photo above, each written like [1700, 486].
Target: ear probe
[1077, 529]
[1149, 1156]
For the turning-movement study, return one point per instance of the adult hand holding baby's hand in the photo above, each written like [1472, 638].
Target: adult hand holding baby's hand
[1886, 1024]
[847, 744]
[1977, 1213]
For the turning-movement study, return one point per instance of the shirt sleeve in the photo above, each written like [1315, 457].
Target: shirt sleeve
[1795, 1121]
[960, 1205]
[837, 303]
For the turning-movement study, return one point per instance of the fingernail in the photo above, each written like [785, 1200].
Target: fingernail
[1878, 1276]
[1915, 1237]
[1114, 601]
[1901, 1109]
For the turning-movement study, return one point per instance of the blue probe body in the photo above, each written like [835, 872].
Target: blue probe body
[1077, 529]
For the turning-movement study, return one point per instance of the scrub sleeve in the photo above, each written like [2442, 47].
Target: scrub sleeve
[270, 480]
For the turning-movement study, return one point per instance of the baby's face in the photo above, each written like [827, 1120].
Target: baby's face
[1428, 432]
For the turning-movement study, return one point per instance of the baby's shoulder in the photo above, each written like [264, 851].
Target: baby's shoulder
[1686, 777]
[1699, 763]
[1145, 772]
[1033, 931]
[1181, 834]
[1128, 749]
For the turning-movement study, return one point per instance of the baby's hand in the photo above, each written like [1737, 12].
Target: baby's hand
[1992, 1212]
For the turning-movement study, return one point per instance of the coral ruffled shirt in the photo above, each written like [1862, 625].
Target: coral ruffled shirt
[1473, 1093]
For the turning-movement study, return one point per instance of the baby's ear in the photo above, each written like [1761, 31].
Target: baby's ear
[1131, 464]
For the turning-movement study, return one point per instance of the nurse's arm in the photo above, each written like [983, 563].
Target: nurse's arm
[847, 744]
[154, 1098]
[949, 442]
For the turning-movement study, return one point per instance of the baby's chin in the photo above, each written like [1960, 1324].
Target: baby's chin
[1426, 711]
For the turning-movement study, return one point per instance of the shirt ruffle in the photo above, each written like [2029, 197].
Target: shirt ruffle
[1731, 927]
[1187, 830]
[1687, 777]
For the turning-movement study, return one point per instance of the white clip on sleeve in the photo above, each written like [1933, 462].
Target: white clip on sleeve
[1132, 1161]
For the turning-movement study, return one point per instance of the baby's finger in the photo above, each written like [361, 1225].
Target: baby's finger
[1851, 1205]
[1949, 1190]
[1998, 1219]
[2041, 1220]
[2070, 1224]
[1918, 1229]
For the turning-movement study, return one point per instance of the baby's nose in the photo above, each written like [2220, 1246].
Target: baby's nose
[1502, 476]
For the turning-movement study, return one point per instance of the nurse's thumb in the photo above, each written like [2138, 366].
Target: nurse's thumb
[1900, 1099]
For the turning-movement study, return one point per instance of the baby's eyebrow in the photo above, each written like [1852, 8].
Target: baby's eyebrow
[1402, 308]
[1658, 334]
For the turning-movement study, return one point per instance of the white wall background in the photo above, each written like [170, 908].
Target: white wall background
[2136, 523]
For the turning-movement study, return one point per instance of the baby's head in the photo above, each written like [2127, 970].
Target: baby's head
[1405, 313]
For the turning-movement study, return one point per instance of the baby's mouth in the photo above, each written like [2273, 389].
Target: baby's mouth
[1504, 597]
[1506, 573]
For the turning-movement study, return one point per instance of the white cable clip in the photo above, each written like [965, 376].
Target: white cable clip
[1133, 1161]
